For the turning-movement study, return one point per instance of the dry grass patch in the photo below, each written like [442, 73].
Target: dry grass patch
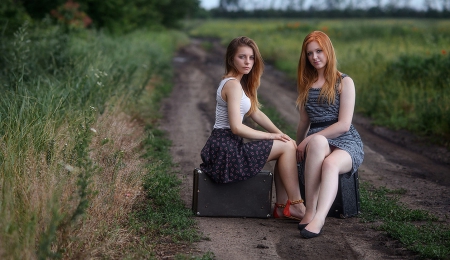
[104, 231]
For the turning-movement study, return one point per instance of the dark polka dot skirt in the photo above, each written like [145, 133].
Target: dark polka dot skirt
[226, 158]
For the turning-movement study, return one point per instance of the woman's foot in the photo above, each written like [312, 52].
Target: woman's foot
[278, 211]
[302, 226]
[315, 226]
[294, 209]
[307, 234]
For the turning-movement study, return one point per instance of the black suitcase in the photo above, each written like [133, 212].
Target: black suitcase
[347, 202]
[250, 198]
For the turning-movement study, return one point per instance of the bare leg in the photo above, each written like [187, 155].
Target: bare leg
[286, 169]
[338, 162]
[280, 191]
[317, 149]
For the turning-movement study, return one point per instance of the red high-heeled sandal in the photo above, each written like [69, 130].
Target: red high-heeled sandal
[275, 213]
[286, 211]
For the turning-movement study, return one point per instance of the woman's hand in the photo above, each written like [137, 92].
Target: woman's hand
[282, 137]
[301, 150]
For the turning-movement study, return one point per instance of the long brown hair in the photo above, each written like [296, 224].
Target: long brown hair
[250, 82]
[307, 74]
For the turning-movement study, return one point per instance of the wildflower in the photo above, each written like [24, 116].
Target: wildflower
[443, 52]
[70, 15]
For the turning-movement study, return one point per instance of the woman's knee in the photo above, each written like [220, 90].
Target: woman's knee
[280, 147]
[318, 143]
[338, 161]
[330, 165]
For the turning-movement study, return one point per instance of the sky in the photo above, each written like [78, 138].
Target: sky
[208, 4]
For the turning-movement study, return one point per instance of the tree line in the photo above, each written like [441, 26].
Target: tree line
[331, 9]
[121, 16]
[115, 16]
[301, 5]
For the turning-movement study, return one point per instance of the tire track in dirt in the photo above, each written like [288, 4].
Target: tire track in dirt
[188, 117]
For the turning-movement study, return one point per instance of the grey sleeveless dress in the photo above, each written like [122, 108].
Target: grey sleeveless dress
[320, 113]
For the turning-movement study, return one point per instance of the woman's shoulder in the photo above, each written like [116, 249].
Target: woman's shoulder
[345, 78]
[231, 84]
[343, 75]
[227, 81]
[226, 78]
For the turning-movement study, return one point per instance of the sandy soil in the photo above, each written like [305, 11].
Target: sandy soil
[393, 159]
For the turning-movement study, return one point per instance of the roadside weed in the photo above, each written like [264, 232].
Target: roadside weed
[70, 140]
[418, 230]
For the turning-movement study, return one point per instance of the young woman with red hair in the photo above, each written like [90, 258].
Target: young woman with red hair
[226, 158]
[328, 144]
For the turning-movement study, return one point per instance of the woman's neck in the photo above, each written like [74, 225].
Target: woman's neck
[320, 80]
[236, 76]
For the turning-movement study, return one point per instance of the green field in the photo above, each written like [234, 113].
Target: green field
[72, 166]
[400, 67]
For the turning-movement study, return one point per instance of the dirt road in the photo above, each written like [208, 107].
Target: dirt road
[392, 159]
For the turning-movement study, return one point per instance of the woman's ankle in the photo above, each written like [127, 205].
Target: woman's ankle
[307, 218]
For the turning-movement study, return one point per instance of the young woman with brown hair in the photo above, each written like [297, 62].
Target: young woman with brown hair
[226, 158]
[328, 144]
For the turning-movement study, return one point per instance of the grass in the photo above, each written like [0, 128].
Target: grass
[418, 230]
[368, 50]
[75, 179]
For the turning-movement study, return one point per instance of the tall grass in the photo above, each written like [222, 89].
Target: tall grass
[64, 140]
[380, 56]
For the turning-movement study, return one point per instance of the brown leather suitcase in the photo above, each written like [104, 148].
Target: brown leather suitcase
[347, 202]
[250, 198]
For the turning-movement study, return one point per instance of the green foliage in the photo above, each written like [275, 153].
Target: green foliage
[54, 86]
[165, 213]
[70, 16]
[39, 9]
[277, 119]
[12, 15]
[382, 204]
[431, 240]
[412, 93]
[412, 69]
[114, 16]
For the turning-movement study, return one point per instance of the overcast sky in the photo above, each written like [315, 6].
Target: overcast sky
[417, 4]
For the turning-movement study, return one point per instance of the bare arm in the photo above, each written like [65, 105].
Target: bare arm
[232, 93]
[261, 119]
[302, 130]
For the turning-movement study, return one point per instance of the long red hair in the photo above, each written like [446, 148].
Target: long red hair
[250, 82]
[307, 74]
